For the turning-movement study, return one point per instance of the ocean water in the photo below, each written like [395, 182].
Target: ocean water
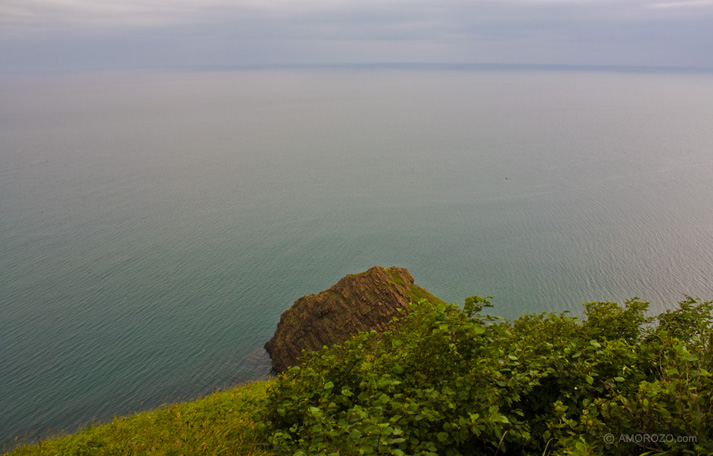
[154, 225]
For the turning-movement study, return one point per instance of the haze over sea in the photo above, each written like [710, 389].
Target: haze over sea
[154, 225]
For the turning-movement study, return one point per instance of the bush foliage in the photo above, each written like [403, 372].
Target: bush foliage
[450, 381]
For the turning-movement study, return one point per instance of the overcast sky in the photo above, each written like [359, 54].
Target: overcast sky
[77, 34]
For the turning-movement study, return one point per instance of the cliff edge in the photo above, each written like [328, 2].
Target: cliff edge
[358, 302]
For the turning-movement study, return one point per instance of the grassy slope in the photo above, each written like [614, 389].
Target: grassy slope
[217, 424]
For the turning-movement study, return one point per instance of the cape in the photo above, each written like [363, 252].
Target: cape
[358, 302]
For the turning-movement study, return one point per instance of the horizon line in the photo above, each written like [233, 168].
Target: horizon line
[483, 66]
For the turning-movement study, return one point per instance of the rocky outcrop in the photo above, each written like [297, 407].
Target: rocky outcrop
[358, 302]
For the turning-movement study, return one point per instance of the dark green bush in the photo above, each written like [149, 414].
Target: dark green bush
[452, 381]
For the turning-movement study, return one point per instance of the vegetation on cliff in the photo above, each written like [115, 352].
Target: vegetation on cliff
[450, 381]
[446, 380]
[221, 423]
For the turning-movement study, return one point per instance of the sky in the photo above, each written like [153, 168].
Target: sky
[46, 35]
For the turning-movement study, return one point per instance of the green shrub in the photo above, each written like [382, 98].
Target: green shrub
[451, 381]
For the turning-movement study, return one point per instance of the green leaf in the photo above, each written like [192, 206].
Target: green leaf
[366, 449]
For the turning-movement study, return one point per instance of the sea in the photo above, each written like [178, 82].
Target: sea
[155, 224]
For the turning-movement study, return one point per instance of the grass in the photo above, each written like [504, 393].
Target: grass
[418, 293]
[219, 424]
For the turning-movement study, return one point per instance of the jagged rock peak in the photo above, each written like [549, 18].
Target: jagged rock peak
[358, 302]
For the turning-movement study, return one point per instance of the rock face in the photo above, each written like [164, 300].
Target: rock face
[358, 302]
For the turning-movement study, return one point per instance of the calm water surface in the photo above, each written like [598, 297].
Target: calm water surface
[153, 226]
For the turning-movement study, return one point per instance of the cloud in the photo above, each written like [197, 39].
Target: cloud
[225, 32]
[28, 17]
[36, 16]
[683, 4]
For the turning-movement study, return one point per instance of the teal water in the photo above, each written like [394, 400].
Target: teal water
[153, 226]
